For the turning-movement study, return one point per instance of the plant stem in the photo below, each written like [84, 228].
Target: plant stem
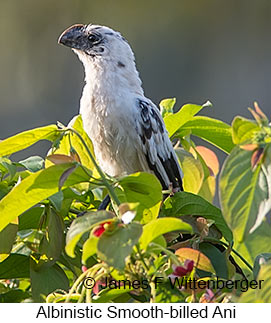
[153, 292]
[243, 259]
[142, 259]
[75, 285]
[105, 181]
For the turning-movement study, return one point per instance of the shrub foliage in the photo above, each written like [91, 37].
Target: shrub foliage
[57, 246]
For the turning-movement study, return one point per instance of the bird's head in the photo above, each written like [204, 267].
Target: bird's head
[97, 43]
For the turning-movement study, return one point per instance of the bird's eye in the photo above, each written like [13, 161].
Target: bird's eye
[93, 38]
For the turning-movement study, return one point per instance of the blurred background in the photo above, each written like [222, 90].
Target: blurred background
[193, 50]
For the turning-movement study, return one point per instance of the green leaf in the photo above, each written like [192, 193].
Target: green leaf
[109, 295]
[175, 121]
[4, 189]
[217, 258]
[77, 146]
[263, 294]
[260, 260]
[77, 124]
[53, 242]
[30, 219]
[15, 266]
[160, 226]
[114, 248]
[84, 224]
[208, 188]
[34, 189]
[57, 200]
[7, 237]
[142, 188]
[47, 280]
[192, 169]
[243, 129]
[6, 166]
[184, 203]
[256, 243]
[245, 195]
[89, 248]
[166, 294]
[160, 241]
[33, 163]
[56, 297]
[27, 138]
[214, 131]
[167, 106]
[14, 296]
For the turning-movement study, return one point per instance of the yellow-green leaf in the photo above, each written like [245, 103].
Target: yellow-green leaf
[192, 169]
[245, 194]
[77, 146]
[142, 188]
[34, 189]
[167, 106]
[160, 226]
[27, 138]
[89, 248]
[243, 129]
[175, 121]
[84, 224]
[214, 131]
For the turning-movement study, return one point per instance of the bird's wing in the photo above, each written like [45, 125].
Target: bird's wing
[156, 146]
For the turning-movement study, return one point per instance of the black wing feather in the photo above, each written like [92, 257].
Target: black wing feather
[157, 148]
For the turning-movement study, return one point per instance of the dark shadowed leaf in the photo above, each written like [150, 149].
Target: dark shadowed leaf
[15, 266]
[217, 258]
[30, 219]
[47, 280]
[4, 189]
[184, 203]
[7, 237]
[14, 296]
[53, 242]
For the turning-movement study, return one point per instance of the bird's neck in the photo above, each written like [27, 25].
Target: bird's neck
[107, 81]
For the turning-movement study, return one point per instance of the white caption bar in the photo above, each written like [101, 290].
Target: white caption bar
[122, 312]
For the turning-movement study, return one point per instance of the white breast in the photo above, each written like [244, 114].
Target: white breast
[110, 123]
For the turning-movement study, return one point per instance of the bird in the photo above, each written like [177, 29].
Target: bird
[126, 128]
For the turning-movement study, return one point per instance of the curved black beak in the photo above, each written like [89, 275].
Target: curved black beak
[73, 37]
